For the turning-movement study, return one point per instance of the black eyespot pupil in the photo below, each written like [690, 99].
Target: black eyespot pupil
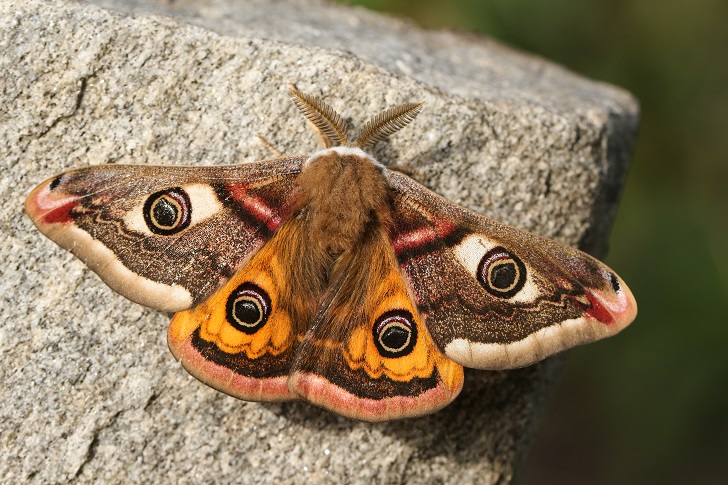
[165, 213]
[503, 275]
[247, 311]
[395, 337]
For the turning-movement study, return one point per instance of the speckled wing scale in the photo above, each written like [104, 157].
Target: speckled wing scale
[496, 297]
[329, 278]
[368, 354]
[208, 219]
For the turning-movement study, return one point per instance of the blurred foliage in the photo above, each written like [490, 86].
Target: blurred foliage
[649, 406]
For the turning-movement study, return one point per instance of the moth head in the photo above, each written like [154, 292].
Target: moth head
[332, 127]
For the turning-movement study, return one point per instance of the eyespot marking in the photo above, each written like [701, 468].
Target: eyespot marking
[395, 333]
[471, 252]
[168, 211]
[202, 201]
[501, 273]
[248, 308]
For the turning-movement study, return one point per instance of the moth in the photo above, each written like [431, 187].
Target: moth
[329, 277]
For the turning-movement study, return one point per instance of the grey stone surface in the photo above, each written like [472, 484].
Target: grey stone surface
[89, 389]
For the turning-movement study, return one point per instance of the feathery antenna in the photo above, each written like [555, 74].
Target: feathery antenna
[331, 126]
[387, 123]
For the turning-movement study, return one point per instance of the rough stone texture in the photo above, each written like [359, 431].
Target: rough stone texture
[89, 388]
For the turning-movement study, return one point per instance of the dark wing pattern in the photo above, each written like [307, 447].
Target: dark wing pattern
[354, 344]
[243, 339]
[367, 354]
[495, 297]
[165, 237]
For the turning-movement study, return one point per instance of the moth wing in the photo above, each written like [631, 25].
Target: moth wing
[495, 297]
[243, 339]
[165, 236]
[367, 354]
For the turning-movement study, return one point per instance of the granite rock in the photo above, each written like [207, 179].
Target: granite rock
[90, 391]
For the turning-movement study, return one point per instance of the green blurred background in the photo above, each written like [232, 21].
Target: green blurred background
[649, 406]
